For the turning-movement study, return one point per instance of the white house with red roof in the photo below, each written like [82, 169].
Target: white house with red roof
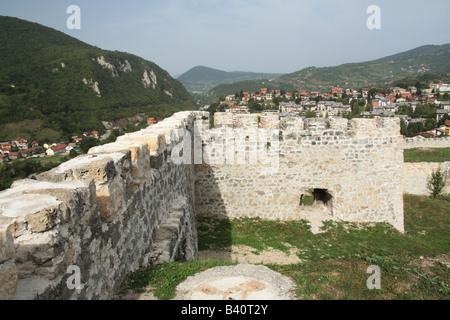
[53, 151]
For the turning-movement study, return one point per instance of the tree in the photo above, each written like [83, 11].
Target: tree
[311, 114]
[442, 122]
[403, 127]
[347, 115]
[430, 124]
[73, 154]
[405, 110]
[255, 107]
[413, 128]
[436, 182]
[424, 111]
[88, 143]
[362, 102]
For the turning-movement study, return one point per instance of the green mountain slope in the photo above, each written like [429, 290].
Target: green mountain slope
[419, 61]
[201, 79]
[70, 86]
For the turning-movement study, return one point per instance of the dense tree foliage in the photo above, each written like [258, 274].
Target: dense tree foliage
[43, 75]
[21, 169]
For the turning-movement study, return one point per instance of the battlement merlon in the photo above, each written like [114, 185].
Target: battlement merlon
[155, 139]
[356, 127]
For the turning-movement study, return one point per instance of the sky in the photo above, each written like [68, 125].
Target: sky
[273, 36]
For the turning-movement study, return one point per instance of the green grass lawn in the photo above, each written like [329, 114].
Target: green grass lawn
[334, 263]
[427, 155]
[27, 129]
[54, 160]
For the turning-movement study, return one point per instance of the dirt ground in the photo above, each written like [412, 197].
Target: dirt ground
[427, 263]
[244, 254]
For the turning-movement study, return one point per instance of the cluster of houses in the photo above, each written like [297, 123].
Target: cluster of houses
[18, 149]
[388, 105]
[328, 105]
[443, 130]
[294, 102]
[93, 134]
[21, 149]
[151, 121]
[322, 108]
[264, 95]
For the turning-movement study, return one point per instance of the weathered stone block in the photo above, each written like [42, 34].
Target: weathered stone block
[6, 243]
[43, 220]
[8, 280]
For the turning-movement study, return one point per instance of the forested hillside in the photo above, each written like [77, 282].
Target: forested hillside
[201, 79]
[380, 72]
[67, 86]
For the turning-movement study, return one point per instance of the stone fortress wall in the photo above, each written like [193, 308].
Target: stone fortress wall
[355, 168]
[76, 231]
[415, 175]
[420, 142]
[123, 206]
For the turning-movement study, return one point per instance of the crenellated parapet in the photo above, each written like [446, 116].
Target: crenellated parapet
[313, 126]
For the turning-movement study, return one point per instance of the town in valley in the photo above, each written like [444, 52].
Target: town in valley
[423, 112]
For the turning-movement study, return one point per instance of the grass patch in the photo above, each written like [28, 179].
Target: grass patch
[308, 199]
[335, 262]
[221, 235]
[51, 160]
[347, 280]
[427, 155]
[28, 129]
[338, 241]
[427, 223]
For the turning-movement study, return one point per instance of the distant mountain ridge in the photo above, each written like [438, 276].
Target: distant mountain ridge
[422, 60]
[71, 86]
[201, 79]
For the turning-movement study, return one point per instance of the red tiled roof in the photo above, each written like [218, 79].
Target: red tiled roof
[60, 147]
